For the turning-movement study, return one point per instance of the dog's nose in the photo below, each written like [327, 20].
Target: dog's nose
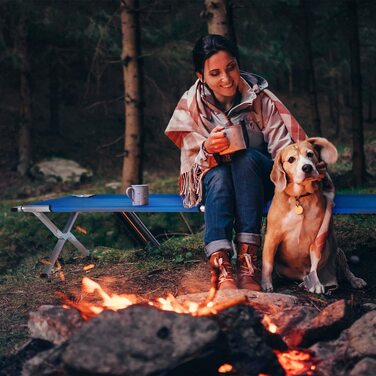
[307, 168]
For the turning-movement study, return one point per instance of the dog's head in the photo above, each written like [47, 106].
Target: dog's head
[297, 162]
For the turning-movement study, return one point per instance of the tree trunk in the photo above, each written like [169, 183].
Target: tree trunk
[290, 75]
[359, 167]
[218, 14]
[24, 138]
[305, 5]
[337, 106]
[132, 161]
[370, 104]
[333, 98]
[370, 95]
[54, 92]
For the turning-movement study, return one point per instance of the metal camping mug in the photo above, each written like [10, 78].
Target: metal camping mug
[139, 194]
[234, 134]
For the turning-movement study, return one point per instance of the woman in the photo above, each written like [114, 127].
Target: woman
[234, 187]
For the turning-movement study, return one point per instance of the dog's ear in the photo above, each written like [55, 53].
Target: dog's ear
[327, 151]
[278, 174]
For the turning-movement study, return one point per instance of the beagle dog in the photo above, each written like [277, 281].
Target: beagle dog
[295, 218]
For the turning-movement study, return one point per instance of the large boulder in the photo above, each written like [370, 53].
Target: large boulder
[56, 170]
[352, 351]
[139, 340]
[142, 340]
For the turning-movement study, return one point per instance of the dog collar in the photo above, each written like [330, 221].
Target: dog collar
[298, 206]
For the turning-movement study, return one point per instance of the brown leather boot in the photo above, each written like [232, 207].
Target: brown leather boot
[248, 273]
[222, 275]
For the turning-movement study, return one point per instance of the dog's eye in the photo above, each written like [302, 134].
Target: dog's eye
[310, 155]
[291, 160]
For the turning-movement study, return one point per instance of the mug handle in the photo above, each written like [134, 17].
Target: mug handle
[130, 193]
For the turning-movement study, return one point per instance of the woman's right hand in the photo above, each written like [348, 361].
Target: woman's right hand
[217, 141]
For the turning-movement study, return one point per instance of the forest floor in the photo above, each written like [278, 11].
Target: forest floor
[177, 267]
[150, 276]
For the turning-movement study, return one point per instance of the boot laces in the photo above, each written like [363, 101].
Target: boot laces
[224, 275]
[247, 267]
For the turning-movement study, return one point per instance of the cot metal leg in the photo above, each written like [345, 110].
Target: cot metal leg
[62, 236]
[139, 228]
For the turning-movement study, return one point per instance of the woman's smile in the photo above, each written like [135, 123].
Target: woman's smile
[222, 76]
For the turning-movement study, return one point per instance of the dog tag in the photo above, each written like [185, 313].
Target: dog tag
[299, 209]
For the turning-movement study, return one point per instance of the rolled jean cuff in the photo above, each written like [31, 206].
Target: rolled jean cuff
[249, 238]
[217, 245]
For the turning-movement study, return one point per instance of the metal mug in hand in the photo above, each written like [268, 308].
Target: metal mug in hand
[234, 134]
[139, 194]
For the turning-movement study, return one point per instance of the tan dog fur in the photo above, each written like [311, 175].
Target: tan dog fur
[288, 247]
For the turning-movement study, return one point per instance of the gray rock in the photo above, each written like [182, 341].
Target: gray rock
[369, 307]
[58, 169]
[139, 340]
[353, 344]
[113, 185]
[366, 367]
[326, 325]
[362, 336]
[46, 363]
[54, 323]
[246, 340]
[282, 309]
[289, 318]
[261, 300]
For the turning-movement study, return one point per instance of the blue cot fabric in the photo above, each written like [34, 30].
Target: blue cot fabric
[115, 203]
[163, 203]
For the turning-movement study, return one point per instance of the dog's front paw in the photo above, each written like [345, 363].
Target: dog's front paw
[266, 286]
[358, 283]
[317, 289]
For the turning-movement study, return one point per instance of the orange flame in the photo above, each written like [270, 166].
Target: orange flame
[225, 368]
[267, 322]
[296, 362]
[169, 303]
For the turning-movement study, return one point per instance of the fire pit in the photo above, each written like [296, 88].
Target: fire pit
[232, 332]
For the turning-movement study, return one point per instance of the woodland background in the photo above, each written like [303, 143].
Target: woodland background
[61, 76]
[62, 66]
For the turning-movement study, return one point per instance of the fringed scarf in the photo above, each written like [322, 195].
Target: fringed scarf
[190, 126]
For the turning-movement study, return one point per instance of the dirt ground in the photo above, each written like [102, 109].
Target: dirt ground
[18, 299]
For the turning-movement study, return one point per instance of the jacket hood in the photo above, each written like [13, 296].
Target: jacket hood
[257, 82]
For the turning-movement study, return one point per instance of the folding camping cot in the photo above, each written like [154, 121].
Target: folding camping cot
[158, 203]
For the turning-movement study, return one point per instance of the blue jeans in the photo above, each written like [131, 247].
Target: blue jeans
[234, 196]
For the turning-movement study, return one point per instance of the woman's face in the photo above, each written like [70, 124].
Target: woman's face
[221, 74]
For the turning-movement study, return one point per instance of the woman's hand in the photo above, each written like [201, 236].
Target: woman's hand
[217, 141]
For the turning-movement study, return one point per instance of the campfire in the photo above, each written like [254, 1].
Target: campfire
[294, 362]
[114, 302]
[231, 332]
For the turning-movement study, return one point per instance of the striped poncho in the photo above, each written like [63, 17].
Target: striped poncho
[196, 115]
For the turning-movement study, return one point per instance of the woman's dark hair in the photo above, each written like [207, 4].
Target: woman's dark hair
[209, 45]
